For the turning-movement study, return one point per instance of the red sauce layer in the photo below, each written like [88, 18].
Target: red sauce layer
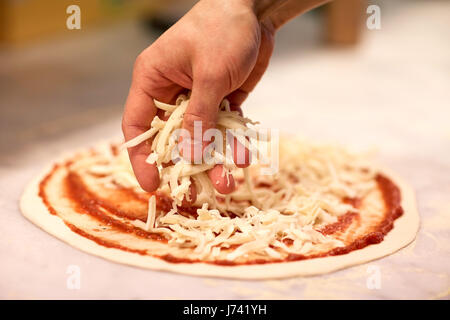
[341, 225]
[85, 202]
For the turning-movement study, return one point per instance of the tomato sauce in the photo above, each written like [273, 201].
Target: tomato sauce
[85, 202]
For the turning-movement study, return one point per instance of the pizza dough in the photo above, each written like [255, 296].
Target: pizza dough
[34, 208]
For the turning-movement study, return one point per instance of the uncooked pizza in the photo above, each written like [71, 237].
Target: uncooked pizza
[324, 209]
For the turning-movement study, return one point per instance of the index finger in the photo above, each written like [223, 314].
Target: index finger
[137, 117]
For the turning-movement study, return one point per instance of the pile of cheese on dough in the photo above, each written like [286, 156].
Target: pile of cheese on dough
[307, 192]
[176, 178]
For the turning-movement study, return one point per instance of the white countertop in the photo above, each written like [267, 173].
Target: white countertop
[391, 93]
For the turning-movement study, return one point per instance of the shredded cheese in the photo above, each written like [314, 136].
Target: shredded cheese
[151, 213]
[264, 212]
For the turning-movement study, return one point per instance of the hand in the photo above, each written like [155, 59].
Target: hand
[218, 49]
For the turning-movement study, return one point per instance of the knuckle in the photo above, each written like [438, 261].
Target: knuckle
[210, 79]
[212, 73]
[190, 118]
[139, 62]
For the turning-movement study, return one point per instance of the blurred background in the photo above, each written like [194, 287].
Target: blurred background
[54, 80]
[331, 78]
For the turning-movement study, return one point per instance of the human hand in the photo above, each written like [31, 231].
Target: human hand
[218, 49]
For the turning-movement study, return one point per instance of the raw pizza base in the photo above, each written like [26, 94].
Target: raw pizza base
[403, 233]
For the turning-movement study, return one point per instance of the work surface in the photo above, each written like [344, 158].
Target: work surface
[390, 93]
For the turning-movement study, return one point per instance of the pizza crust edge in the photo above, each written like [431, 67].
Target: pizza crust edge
[403, 233]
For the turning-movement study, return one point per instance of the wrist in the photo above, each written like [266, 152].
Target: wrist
[264, 8]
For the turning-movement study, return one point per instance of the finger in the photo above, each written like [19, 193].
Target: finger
[238, 96]
[222, 181]
[241, 155]
[264, 54]
[137, 117]
[201, 114]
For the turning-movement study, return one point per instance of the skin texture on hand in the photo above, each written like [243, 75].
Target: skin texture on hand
[218, 49]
